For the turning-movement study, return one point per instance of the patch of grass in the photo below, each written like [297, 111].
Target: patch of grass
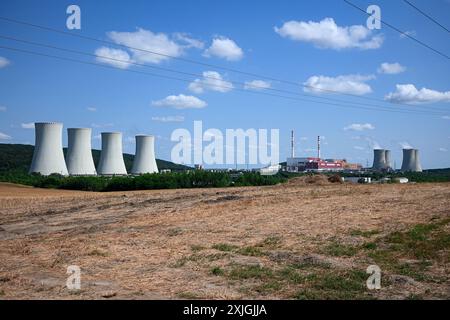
[271, 242]
[188, 295]
[217, 271]
[369, 245]
[365, 234]
[337, 285]
[251, 251]
[174, 232]
[269, 287]
[224, 247]
[339, 250]
[196, 248]
[98, 253]
[247, 272]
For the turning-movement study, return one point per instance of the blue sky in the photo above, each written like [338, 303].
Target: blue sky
[324, 44]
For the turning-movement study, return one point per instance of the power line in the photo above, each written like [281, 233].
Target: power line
[194, 74]
[63, 32]
[383, 21]
[427, 15]
[220, 86]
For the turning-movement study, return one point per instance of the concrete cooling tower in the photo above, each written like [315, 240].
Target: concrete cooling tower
[387, 158]
[411, 161]
[379, 159]
[111, 159]
[144, 159]
[48, 154]
[79, 155]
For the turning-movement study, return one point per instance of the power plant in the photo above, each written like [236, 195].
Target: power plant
[48, 154]
[79, 155]
[144, 159]
[411, 161]
[381, 160]
[111, 159]
[48, 157]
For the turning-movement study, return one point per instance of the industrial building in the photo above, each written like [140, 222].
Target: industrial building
[48, 157]
[381, 160]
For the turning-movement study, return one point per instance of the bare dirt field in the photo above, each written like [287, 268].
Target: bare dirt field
[290, 241]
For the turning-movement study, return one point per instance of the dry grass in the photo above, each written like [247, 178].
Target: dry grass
[301, 240]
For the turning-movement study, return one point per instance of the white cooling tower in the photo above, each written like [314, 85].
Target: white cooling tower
[417, 165]
[388, 161]
[379, 159]
[411, 161]
[144, 159]
[111, 159]
[79, 154]
[48, 154]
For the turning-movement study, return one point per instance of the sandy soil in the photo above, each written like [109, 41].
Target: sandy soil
[141, 244]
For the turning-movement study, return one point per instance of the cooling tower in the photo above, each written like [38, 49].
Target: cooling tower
[411, 160]
[417, 165]
[379, 159]
[111, 159]
[79, 155]
[144, 159]
[387, 158]
[48, 154]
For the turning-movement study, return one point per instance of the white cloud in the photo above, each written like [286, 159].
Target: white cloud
[180, 101]
[4, 62]
[391, 68]
[443, 150]
[115, 57]
[224, 48]
[359, 127]
[446, 117]
[408, 93]
[91, 109]
[257, 85]
[3, 108]
[169, 119]
[211, 80]
[147, 40]
[353, 84]
[405, 145]
[327, 34]
[188, 41]
[358, 148]
[4, 136]
[29, 125]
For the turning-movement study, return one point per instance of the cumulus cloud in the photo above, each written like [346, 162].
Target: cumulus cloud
[212, 81]
[91, 109]
[408, 93]
[169, 119]
[4, 62]
[187, 41]
[353, 84]
[224, 48]
[443, 150]
[115, 57]
[180, 101]
[391, 68]
[4, 136]
[257, 85]
[29, 125]
[327, 34]
[359, 127]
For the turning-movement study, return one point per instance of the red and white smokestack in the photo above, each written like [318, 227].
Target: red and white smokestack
[318, 147]
[292, 145]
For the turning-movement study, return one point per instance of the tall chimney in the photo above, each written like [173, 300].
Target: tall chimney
[318, 147]
[292, 145]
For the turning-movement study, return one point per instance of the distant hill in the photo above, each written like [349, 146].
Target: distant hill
[17, 157]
